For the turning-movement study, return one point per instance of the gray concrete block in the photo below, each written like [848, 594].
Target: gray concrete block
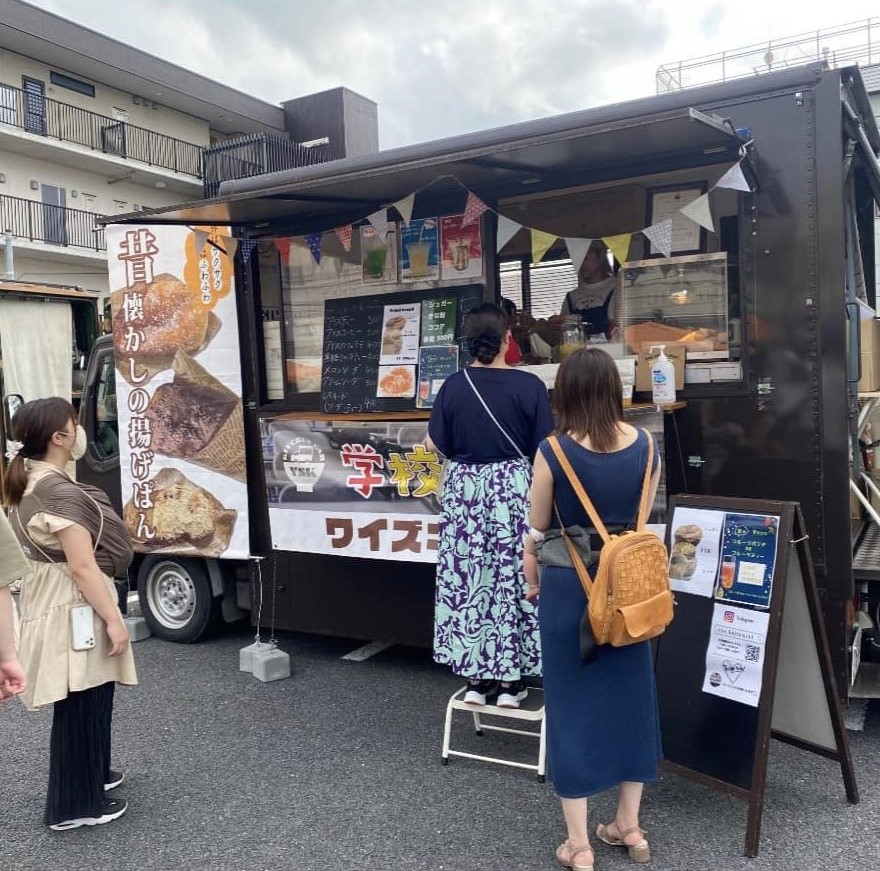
[270, 663]
[246, 656]
[137, 628]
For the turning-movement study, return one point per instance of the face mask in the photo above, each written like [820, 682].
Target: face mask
[80, 444]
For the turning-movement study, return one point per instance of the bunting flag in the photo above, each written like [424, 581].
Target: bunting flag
[314, 242]
[201, 239]
[379, 222]
[231, 246]
[473, 209]
[734, 179]
[283, 246]
[700, 213]
[344, 235]
[247, 247]
[577, 250]
[619, 246]
[660, 236]
[507, 229]
[405, 207]
[541, 243]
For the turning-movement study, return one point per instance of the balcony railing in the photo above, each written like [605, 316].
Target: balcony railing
[34, 113]
[55, 225]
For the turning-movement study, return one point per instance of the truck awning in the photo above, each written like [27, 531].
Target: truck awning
[581, 147]
[46, 291]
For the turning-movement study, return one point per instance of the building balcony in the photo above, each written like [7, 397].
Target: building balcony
[52, 232]
[43, 127]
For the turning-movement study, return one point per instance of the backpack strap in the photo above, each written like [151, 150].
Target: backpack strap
[578, 488]
[644, 508]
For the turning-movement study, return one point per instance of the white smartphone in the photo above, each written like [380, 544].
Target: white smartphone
[82, 626]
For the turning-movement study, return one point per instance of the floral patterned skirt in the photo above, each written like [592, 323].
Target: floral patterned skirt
[483, 626]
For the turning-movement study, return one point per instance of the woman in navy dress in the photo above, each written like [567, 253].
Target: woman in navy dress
[602, 722]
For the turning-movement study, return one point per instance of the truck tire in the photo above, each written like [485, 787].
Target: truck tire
[176, 598]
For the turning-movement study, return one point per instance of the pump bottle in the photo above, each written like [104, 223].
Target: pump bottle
[662, 378]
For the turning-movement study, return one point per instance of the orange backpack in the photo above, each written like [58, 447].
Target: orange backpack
[630, 600]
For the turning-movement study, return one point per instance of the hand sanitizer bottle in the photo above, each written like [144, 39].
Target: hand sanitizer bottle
[662, 378]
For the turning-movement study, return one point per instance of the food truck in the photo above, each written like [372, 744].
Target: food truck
[740, 219]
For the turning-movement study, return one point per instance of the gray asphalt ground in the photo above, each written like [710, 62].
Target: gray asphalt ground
[339, 767]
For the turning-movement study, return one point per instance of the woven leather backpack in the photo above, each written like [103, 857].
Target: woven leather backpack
[630, 600]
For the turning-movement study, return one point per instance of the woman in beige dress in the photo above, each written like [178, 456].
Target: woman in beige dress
[75, 543]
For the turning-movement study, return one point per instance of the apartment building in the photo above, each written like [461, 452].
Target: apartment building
[91, 126]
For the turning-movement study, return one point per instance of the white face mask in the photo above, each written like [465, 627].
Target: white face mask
[80, 443]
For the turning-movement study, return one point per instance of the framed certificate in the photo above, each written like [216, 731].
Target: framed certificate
[688, 237]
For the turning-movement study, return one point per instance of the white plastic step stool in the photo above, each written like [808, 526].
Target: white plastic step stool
[531, 710]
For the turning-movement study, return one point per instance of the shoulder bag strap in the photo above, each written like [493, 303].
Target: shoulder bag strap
[644, 508]
[575, 557]
[578, 488]
[501, 429]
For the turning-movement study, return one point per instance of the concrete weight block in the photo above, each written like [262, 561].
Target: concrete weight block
[137, 628]
[246, 656]
[270, 663]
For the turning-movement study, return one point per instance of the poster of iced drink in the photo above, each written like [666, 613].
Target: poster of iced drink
[420, 250]
[461, 247]
[378, 256]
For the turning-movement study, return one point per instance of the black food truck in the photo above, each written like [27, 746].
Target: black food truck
[276, 350]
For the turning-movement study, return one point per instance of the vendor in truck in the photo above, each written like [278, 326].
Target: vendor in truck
[593, 298]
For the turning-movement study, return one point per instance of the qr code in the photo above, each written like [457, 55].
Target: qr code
[753, 653]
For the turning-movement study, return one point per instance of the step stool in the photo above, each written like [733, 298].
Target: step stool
[531, 711]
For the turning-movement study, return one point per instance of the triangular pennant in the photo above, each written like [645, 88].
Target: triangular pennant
[379, 222]
[660, 236]
[283, 246]
[734, 179]
[314, 242]
[405, 207]
[700, 213]
[473, 209]
[231, 246]
[344, 234]
[577, 250]
[247, 247]
[201, 239]
[619, 246]
[541, 243]
[507, 229]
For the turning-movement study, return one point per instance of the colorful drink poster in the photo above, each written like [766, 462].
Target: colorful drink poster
[420, 250]
[694, 550]
[438, 321]
[378, 256]
[461, 247]
[436, 364]
[735, 657]
[748, 558]
[400, 334]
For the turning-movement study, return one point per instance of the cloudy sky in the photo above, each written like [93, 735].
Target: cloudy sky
[451, 66]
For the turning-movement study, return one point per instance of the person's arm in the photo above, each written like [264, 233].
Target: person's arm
[437, 439]
[12, 678]
[77, 544]
[541, 512]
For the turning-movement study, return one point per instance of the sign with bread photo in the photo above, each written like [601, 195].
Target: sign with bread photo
[176, 343]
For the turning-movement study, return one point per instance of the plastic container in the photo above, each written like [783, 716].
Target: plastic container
[662, 378]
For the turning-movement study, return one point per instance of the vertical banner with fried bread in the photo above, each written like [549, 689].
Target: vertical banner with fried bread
[178, 389]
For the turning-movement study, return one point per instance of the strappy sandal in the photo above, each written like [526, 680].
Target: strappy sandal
[639, 853]
[572, 855]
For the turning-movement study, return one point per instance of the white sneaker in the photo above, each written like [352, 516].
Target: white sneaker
[479, 691]
[113, 809]
[511, 694]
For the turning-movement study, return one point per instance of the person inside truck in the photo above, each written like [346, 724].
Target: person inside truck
[593, 298]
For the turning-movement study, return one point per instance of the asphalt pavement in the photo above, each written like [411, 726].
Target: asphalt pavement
[339, 767]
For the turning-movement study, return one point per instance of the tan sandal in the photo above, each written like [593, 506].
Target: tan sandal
[572, 855]
[640, 853]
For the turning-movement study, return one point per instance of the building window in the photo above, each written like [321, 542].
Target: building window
[72, 84]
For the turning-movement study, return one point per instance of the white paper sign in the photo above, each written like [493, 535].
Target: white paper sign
[400, 334]
[735, 658]
[694, 553]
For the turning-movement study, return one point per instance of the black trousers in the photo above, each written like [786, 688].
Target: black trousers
[79, 754]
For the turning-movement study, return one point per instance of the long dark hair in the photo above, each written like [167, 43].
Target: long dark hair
[485, 328]
[34, 425]
[589, 398]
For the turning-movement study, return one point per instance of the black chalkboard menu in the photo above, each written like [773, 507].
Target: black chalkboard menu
[371, 343]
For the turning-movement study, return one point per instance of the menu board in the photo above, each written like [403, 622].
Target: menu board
[362, 333]
[748, 556]
[436, 364]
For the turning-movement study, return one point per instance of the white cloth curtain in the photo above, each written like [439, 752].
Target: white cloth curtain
[36, 343]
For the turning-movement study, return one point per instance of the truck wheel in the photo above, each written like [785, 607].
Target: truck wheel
[176, 598]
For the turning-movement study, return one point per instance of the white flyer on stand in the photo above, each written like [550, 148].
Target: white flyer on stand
[695, 550]
[735, 658]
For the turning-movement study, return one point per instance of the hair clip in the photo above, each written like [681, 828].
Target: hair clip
[12, 449]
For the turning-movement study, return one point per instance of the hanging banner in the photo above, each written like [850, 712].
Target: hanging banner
[507, 229]
[472, 210]
[405, 207]
[660, 236]
[541, 243]
[283, 246]
[379, 222]
[577, 251]
[344, 235]
[700, 212]
[734, 179]
[619, 246]
[178, 391]
[313, 240]
[352, 488]
[231, 246]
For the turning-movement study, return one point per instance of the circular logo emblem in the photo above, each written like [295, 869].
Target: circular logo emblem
[303, 463]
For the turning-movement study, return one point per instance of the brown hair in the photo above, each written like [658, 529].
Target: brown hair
[34, 425]
[589, 398]
[485, 328]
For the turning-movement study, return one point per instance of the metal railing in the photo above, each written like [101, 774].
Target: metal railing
[845, 45]
[256, 154]
[55, 225]
[34, 113]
